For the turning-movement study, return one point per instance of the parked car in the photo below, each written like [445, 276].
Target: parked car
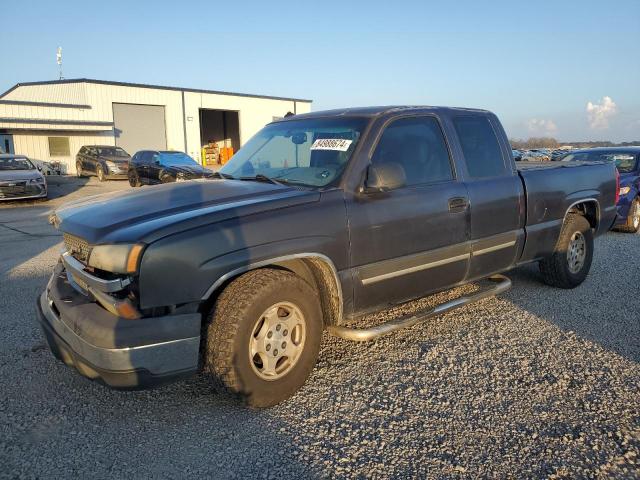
[48, 168]
[557, 155]
[20, 179]
[105, 161]
[318, 219]
[517, 155]
[627, 160]
[149, 167]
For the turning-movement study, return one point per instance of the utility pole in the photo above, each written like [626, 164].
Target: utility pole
[59, 60]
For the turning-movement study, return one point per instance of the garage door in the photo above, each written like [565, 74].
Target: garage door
[139, 127]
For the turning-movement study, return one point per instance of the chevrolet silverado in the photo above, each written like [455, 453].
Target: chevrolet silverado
[317, 220]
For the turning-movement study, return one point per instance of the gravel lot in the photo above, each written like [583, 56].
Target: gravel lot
[536, 383]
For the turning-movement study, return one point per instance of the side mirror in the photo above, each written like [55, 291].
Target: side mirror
[384, 177]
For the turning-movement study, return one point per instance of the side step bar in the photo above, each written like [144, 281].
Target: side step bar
[365, 334]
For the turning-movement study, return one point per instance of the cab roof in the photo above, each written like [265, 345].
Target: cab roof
[378, 110]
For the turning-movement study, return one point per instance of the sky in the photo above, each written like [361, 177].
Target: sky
[567, 69]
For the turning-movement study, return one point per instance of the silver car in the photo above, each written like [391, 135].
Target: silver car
[19, 178]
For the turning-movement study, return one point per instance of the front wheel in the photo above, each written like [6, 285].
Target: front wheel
[570, 263]
[79, 170]
[263, 336]
[100, 172]
[134, 179]
[633, 218]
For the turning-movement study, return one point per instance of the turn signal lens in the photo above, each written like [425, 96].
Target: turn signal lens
[133, 258]
[127, 310]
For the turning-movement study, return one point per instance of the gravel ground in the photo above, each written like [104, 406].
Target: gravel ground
[536, 383]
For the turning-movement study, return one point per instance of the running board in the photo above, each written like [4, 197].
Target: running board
[365, 334]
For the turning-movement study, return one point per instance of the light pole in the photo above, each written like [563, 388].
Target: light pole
[59, 60]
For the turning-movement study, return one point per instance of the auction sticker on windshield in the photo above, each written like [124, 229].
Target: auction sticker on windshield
[339, 144]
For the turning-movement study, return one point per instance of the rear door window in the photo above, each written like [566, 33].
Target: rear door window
[482, 153]
[418, 146]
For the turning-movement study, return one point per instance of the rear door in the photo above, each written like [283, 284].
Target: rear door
[410, 241]
[496, 194]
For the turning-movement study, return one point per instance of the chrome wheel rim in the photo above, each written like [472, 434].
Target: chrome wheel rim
[100, 174]
[277, 341]
[636, 215]
[78, 170]
[576, 252]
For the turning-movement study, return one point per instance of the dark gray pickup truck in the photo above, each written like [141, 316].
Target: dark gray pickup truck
[318, 219]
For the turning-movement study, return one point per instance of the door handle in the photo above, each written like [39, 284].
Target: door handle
[458, 204]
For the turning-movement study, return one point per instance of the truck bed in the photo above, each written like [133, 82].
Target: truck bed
[551, 189]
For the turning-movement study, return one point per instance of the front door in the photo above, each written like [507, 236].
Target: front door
[410, 241]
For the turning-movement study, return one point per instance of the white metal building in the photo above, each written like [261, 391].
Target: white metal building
[51, 120]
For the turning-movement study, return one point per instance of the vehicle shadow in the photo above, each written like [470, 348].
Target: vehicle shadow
[605, 309]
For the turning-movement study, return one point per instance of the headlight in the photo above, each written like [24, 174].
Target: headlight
[624, 190]
[123, 258]
[39, 180]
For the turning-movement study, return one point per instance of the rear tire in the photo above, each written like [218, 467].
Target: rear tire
[633, 218]
[263, 336]
[570, 263]
[134, 179]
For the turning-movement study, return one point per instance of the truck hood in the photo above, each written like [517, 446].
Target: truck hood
[149, 213]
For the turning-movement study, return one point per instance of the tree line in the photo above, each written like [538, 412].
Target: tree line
[550, 142]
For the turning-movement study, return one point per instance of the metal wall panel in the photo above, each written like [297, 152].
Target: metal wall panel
[139, 127]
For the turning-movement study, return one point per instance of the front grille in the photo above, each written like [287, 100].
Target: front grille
[12, 189]
[78, 247]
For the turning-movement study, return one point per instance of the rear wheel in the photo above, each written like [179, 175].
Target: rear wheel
[570, 263]
[263, 336]
[633, 218]
[79, 172]
[100, 172]
[134, 179]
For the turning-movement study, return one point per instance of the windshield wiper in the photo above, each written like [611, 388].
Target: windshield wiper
[262, 178]
[223, 175]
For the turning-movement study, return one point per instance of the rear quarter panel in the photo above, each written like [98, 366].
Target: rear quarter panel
[550, 192]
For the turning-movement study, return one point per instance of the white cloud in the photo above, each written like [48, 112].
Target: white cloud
[598, 114]
[541, 127]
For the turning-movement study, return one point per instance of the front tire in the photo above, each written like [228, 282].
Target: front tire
[79, 172]
[633, 218]
[100, 172]
[134, 179]
[263, 336]
[570, 263]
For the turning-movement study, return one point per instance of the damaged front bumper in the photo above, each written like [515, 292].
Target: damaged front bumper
[119, 352]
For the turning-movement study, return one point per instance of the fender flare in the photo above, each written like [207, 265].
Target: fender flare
[274, 260]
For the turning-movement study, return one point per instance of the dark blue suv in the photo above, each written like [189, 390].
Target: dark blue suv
[628, 162]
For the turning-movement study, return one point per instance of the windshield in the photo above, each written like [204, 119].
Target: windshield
[171, 159]
[112, 152]
[311, 152]
[625, 162]
[16, 163]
